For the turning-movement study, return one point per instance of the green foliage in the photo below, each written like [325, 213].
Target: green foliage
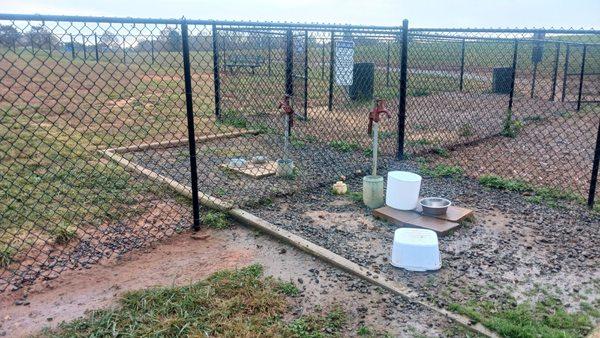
[443, 152]
[545, 318]
[343, 146]
[216, 219]
[363, 331]
[6, 256]
[63, 233]
[288, 289]
[511, 127]
[355, 196]
[317, 326]
[417, 92]
[466, 130]
[419, 142]
[536, 194]
[233, 118]
[441, 170]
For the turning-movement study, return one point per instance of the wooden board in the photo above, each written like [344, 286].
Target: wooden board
[254, 170]
[454, 213]
[415, 219]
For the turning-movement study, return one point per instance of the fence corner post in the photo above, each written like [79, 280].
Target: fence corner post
[190, 125]
[403, 87]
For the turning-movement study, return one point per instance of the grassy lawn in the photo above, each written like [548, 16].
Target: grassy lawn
[236, 303]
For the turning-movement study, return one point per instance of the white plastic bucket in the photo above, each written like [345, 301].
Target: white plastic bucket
[403, 189]
[416, 250]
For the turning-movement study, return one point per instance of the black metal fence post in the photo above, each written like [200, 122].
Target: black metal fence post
[581, 74]
[323, 59]
[403, 87]
[72, 47]
[83, 40]
[533, 79]
[514, 75]
[96, 47]
[387, 66]
[565, 72]
[595, 165]
[189, 105]
[305, 75]
[462, 65]
[555, 71]
[152, 50]
[269, 54]
[331, 70]
[289, 63]
[216, 75]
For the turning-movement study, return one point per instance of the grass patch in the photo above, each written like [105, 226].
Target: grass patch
[535, 194]
[419, 142]
[545, 318]
[417, 92]
[238, 303]
[441, 170]
[6, 256]
[443, 152]
[215, 219]
[343, 146]
[288, 289]
[355, 196]
[233, 118]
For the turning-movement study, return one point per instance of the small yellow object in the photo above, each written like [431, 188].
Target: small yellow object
[340, 188]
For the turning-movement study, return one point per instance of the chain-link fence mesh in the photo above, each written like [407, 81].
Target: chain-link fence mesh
[94, 122]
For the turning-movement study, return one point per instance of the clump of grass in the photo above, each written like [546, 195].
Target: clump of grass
[215, 219]
[233, 118]
[443, 152]
[419, 142]
[511, 127]
[551, 196]
[441, 170]
[317, 326]
[416, 92]
[6, 256]
[368, 152]
[63, 233]
[288, 289]
[466, 130]
[343, 146]
[355, 196]
[364, 331]
[545, 318]
[231, 303]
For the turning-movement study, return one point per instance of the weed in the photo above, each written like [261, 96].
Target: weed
[313, 326]
[215, 219]
[233, 118]
[288, 289]
[363, 331]
[343, 146]
[497, 182]
[511, 127]
[416, 92]
[443, 152]
[355, 196]
[466, 130]
[63, 233]
[6, 256]
[441, 170]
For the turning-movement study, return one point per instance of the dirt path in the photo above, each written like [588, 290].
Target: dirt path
[181, 260]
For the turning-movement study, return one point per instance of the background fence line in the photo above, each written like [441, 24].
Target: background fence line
[188, 99]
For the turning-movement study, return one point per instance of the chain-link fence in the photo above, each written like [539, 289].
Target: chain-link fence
[103, 118]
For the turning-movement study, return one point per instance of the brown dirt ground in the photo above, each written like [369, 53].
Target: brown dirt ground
[181, 260]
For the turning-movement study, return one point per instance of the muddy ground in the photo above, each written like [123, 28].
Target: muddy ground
[181, 260]
[512, 247]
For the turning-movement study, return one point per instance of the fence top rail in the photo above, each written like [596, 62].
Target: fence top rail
[508, 30]
[130, 20]
[446, 38]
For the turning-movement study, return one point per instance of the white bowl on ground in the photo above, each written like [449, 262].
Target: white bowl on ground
[416, 250]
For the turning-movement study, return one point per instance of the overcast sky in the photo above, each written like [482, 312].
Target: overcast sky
[421, 13]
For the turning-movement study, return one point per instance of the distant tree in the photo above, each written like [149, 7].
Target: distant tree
[110, 40]
[40, 37]
[9, 35]
[171, 39]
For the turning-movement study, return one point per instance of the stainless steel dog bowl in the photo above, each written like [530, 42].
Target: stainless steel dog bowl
[434, 205]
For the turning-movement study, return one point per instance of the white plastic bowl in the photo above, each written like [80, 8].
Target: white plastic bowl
[416, 250]
[403, 189]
